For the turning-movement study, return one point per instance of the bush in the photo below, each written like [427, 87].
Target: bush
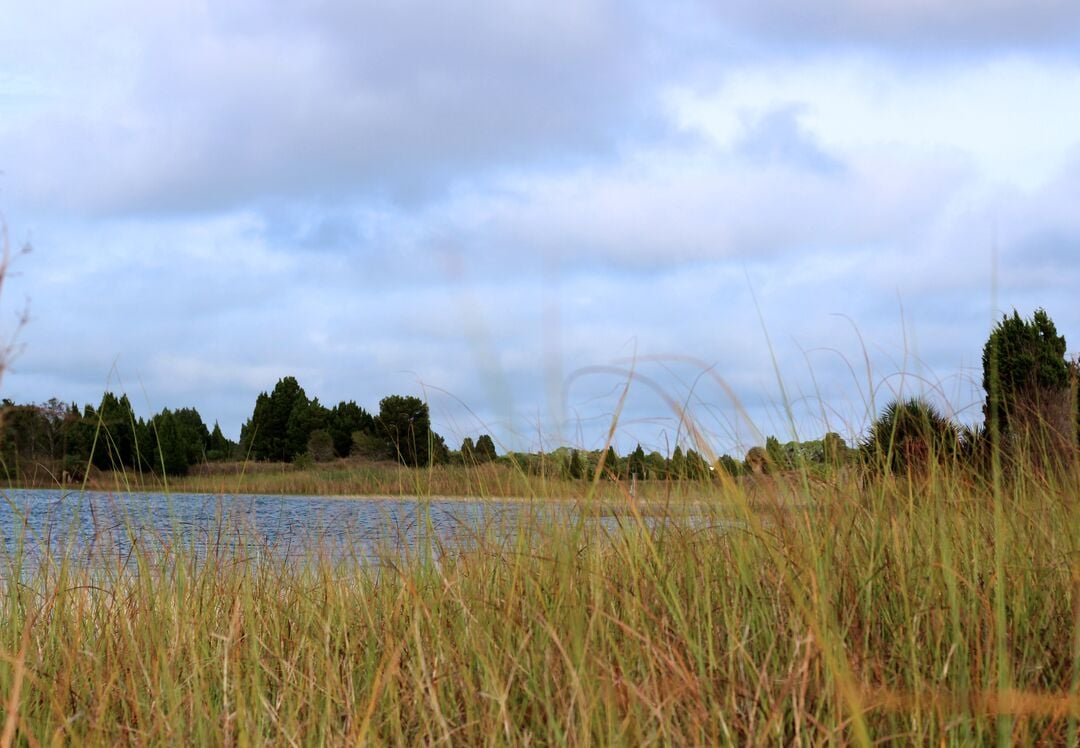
[757, 460]
[369, 446]
[320, 445]
[910, 435]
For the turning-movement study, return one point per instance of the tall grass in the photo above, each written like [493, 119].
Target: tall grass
[350, 477]
[866, 612]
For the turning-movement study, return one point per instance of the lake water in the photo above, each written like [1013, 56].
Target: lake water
[93, 525]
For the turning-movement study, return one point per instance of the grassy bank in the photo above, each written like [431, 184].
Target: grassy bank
[919, 611]
[361, 478]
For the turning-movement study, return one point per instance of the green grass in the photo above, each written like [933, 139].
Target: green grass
[889, 609]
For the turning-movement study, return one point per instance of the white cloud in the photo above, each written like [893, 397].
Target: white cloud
[215, 107]
[702, 204]
[1015, 118]
[378, 198]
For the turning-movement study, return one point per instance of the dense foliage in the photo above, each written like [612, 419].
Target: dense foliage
[1031, 404]
[1021, 360]
[911, 435]
[1026, 375]
[1030, 410]
[58, 438]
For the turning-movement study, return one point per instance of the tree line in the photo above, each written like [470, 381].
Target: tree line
[1031, 399]
[1031, 414]
[61, 437]
[286, 425]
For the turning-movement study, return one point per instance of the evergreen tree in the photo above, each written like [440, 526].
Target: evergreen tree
[440, 453]
[834, 449]
[611, 462]
[1027, 381]
[219, 447]
[729, 465]
[280, 424]
[405, 423]
[678, 464]
[636, 463]
[345, 419]
[320, 445]
[114, 422]
[577, 466]
[194, 436]
[697, 467]
[304, 418]
[169, 453]
[255, 433]
[656, 467]
[468, 451]
[485, 449]
[78, 437]
[777, 456]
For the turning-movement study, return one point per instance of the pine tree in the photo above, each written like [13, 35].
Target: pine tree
[169, 452]
[404, 422]
[280, 424]
[1027, 383]
[468, 451]
[611, 462]
[636, 463]
[485, 449]
[577, 467]
[219, 447]
[678, 464]
[344, 420]
[116, 439]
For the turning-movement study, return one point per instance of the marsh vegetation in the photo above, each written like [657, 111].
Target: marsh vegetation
[918, 609]
[924, 588]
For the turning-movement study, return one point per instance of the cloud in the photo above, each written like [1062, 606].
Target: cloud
[910, 26]
[221, 106]
[704, 204]
[656, 256]
[1012, 117]
[777, 137]
[479, 202]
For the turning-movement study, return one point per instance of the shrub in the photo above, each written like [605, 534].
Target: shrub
[320, 445]
[757, 460]
[910, 435]
[834, 450]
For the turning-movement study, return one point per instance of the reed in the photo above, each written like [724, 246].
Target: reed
[901, 608]
[351, 477]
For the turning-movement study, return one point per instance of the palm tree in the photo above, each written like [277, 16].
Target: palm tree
[910, 435]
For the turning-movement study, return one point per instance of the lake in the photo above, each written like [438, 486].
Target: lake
[93, 525]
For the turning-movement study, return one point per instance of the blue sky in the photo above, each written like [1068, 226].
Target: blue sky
[506, 207]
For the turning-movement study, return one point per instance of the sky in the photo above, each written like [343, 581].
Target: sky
[547, 219]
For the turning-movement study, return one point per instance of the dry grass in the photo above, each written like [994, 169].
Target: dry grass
[361, 478]
[924, 610]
